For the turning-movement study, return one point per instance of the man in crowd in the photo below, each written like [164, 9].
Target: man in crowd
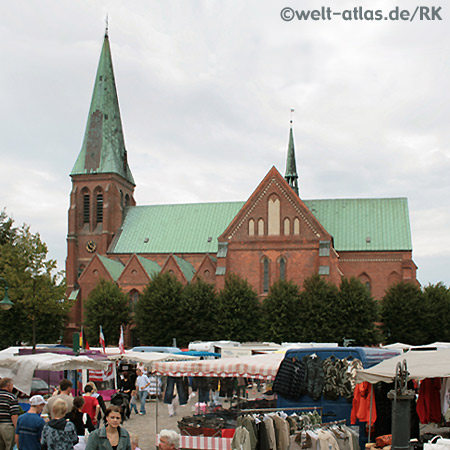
[29, 425]
[142, 386]
[65, 389]
[9, 412]
[169, 440]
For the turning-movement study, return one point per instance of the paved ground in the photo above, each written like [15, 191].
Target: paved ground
[145, 426]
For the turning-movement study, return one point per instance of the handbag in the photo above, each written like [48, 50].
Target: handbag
[437, 443]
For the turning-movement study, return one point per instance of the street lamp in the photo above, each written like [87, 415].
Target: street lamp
[6, 303]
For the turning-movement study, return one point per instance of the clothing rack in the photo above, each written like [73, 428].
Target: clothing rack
[301, 408]
[297, 408]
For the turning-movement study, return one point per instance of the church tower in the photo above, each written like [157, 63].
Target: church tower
[102, 183]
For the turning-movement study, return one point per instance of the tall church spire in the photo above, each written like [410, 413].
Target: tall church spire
[291, 170]
[103, 149]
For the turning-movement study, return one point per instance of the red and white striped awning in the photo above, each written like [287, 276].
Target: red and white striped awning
[257, 366]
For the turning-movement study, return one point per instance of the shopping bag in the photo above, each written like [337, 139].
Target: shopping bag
[437, 443]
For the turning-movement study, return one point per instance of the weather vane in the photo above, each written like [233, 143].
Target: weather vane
[107, 25]
[292, 114]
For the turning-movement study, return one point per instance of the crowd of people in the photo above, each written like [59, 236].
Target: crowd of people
[64, 422]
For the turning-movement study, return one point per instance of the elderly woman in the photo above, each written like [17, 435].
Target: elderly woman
[169, 440]
[112, 435]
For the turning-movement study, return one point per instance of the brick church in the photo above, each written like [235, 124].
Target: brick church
[272, 235]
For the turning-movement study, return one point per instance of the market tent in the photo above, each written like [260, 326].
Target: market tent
[21, 368]
[148, 358]
[420, 364]
[257, 366]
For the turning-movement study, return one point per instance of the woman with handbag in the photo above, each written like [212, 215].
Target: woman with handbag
[82, 421]
[112, 435]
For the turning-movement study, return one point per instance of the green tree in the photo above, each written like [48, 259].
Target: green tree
[199, 312]
[35, 287]
[280, 312]
[109, 307]
[437, 317]
[319, 311]
[238, 311]
[402, 313]
[158, 311]
[358, 314]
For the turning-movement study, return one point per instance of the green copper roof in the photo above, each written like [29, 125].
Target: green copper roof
[291, 169]
[103, 149]
[185, 228]
[115, 268]
[378, 224]
[355, 224]
[186, 267]
[151, 267]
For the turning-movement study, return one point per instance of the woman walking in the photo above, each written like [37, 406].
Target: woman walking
[112, 435]
[82, 421]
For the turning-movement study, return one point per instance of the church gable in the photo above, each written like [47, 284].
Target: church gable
[134, 273]
[95, 270]
[274, 211]
[177, 266]
[207, 270]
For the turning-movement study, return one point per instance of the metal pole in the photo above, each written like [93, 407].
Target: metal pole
[370, 413]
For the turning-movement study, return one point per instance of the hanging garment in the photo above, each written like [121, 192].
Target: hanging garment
[281, 432]
[182, 395]
[354, 437]
[268, 422]
[248, 423]
[262, 437]
[315, 376]
[361, 404]
[342, 438]
[290, 379]
[241, 439]
[327, 440]
[429, 402]
[315, 443]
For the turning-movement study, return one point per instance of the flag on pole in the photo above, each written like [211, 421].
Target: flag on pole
[102, 339]
[81, 338]
[121, 342]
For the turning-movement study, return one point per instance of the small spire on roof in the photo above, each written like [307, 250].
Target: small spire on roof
[291, 170]
[107, 26]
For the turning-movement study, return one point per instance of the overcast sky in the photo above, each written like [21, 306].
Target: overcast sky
[205, 91]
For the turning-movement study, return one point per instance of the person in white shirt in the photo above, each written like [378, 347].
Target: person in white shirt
[142, 386]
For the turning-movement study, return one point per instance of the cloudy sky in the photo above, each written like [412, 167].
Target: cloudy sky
[205, 90]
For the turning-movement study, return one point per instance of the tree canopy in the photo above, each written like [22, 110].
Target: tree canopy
[403, 311]
[238, 311]
[35, 287]
[109, 307]
[159, 316]
[281, 312]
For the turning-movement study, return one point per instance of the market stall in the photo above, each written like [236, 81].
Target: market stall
[21, 368]
[262, 367]
[421, 364]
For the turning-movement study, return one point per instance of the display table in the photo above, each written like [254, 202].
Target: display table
[203, 442]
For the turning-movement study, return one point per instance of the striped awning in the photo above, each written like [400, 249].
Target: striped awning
[257, 366]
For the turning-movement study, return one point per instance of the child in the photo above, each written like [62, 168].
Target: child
[134, 441]
[133, 402]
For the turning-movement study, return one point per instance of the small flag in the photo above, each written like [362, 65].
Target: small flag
[121, 342]
[102, 339]
[81, 338]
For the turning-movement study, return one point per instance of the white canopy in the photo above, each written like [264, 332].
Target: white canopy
[150, 357]
[21, 368]
[420, 363]
[257, 366]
